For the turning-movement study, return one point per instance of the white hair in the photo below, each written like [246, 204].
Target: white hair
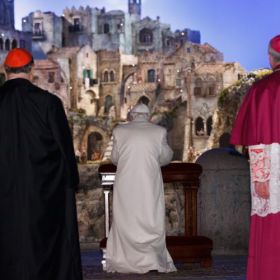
[140, 112]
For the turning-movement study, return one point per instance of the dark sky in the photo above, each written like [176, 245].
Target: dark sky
[240, 29]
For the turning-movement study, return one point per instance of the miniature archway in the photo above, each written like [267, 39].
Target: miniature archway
[106, 76]
[199, 127]
[144, 100]
[94, 146]
[7, 45]
[112, 76]
[209, 124]
[14, 44]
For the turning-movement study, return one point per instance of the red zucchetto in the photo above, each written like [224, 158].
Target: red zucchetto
[274, 45]
[18, 57]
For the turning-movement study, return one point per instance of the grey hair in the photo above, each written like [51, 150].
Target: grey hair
[24, 69]
[137, 115]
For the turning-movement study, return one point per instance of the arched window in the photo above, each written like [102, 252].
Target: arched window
[112, 76]
[108, 103]
[209, 124]
[14, 44]
[211, 90]
[151, 76]
[106, 28]
[178, 79]
[7, 45]
[94, 147]
[1, 44]
[77, 24]
[198, 87]
[106, 77]
[199, 127]
[211, 87]
[146, 36]
[144, 100]
[37, 29]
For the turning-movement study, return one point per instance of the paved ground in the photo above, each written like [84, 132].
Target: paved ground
[224, 268]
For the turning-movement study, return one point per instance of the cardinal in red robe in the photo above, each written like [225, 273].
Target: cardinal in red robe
[258, 126]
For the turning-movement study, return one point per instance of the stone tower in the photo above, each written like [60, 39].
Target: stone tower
[134, 7]
[7, 19]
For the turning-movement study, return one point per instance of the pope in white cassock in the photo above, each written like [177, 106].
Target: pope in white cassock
[136, 242]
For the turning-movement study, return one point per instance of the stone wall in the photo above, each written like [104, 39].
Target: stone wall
[90, 204]
[224, 200]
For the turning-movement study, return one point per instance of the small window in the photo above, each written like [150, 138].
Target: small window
[199, 127]
[178, 82]
[112, 76]
[146, 36]
[198, 87]
[7, 45]
[87, 73]
[14, 44]
[1, 44]
[211, 91]
[151, 76]
[106, 28]
[209, 125]
[77, 22]
[143, 100]
[37, 29]
[178, 79]
[197, 91]
[106, 77]
[51, 77]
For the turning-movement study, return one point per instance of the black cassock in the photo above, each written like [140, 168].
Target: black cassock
[38, 177]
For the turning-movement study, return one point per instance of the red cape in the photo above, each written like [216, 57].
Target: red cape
[258, 120]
